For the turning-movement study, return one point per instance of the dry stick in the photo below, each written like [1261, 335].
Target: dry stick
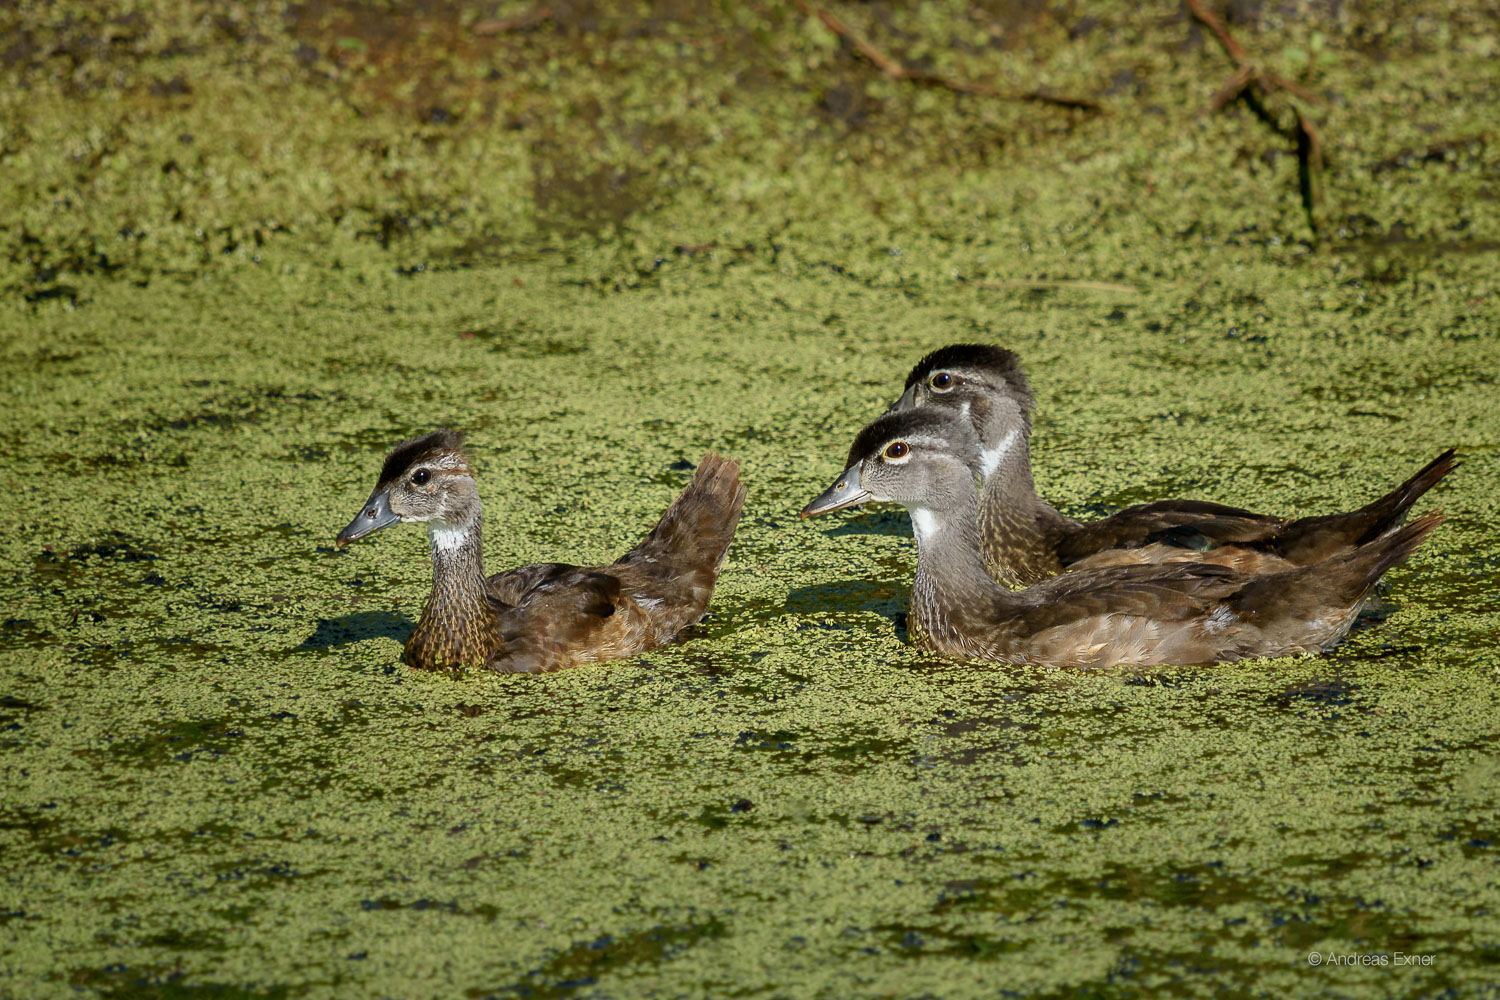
[1246, 75]
[504, 24]
[896, 71]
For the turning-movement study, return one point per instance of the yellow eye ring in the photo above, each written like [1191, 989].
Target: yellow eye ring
[941, 381]
[897, 451]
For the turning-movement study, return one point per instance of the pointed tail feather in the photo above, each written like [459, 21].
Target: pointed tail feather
[695, 531]
[1395, 546]
[1313, 539]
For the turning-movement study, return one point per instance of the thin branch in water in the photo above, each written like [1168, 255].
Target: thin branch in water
[1254, 84]
[500, 25]
[896, 71]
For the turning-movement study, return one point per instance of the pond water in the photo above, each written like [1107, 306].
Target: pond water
[228, 296]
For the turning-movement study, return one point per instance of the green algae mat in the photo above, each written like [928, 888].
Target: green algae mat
[244, 249]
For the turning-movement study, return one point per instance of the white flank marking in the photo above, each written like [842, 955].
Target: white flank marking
[990, 458]
[1221, 619]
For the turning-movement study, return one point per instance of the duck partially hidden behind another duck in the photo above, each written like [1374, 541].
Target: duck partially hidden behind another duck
[1182, 613]
[550, 615]
[1025, 539]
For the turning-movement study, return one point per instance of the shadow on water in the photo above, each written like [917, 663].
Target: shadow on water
[875, 522]
[582, 965]
[358, 627]
[882, 597]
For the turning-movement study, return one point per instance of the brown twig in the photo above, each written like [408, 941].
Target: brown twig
[500, 25]
[1065, 283]
[1252, 82]
[896, 71]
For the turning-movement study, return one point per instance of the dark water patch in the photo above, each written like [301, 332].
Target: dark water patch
[166, 982]
[878, 521]
[114, 548]
[717, 816]
[50, 837]
[261, 873]
[518, 338]
[1302, 918]
[912, 941]
[1318, 692]
[1376, 377]
[178, 939]
[976, 736]
[14, 710]
[1451, 153]
[586, 962]
[179, 742]
[1205, 886]
[388, 904]
[847, 752]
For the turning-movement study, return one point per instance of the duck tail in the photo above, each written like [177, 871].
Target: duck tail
[1397, 544]
[1355, 573]
[1312, 539]
[695, 532]
[1332, 589]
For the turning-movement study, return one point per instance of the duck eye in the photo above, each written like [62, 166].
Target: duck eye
[942, 381]
[897, 450]
[420, 477]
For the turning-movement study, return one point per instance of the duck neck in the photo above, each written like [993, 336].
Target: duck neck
[1017, 527]
[952, 590]
[457, 625]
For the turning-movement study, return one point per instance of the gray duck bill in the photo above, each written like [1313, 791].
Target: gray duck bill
[844, 493]
[376, 515]
[908, 401]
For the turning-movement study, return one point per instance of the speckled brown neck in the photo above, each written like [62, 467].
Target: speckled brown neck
[953, 594]
[457, 628]
[1018, 529]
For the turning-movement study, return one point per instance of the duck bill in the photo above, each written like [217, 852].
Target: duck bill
[376, 515]
[845, 493]
[908, 401]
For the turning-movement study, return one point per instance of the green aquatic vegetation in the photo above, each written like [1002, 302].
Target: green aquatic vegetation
[245, 253]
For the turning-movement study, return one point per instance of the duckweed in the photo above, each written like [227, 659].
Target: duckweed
[247, 248]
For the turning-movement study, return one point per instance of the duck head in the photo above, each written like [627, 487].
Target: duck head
[982, 384]
[426, 479]
[920, 458]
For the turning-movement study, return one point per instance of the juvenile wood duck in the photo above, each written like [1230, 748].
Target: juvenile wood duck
[549, 615]
[1182, 612]
[1025, 539]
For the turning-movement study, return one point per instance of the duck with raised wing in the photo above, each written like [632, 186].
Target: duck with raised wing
[1181, 612]
[550, 615]
[1025, 539]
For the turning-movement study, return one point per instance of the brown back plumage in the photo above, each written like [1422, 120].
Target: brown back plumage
[565, 615]
[1178, 530]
